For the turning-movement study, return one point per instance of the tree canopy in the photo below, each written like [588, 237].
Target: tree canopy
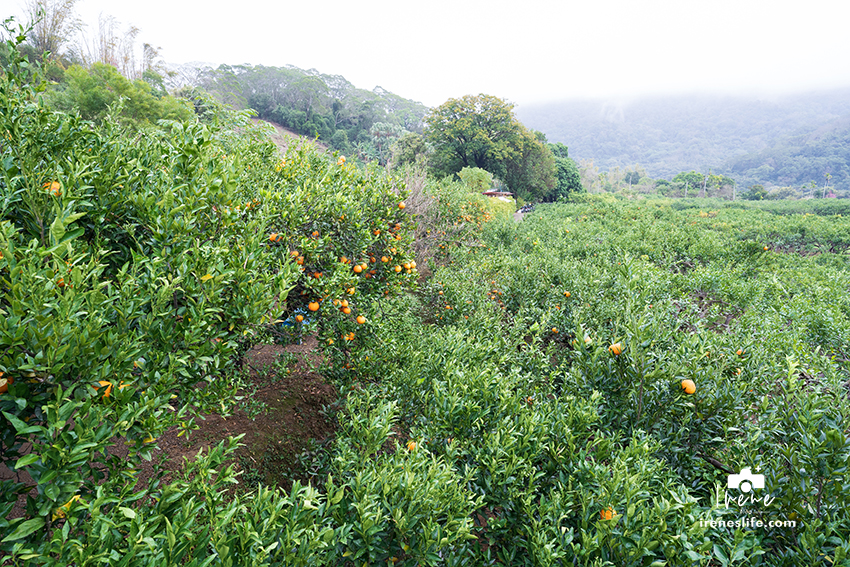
[482, 131]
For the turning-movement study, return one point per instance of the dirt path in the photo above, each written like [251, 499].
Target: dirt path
[282, 416]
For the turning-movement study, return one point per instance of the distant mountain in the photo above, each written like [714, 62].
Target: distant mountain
[667, 135]
[802, 159]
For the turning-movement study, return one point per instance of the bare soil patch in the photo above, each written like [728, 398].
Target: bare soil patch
[286, 418]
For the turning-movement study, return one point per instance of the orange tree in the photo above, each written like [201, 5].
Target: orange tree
[136, 270]
[347, 231]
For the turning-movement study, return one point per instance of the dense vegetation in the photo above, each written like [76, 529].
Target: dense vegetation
[574, 389]
[315, 105]
[817, 161]
[667, 135]
[482, 132]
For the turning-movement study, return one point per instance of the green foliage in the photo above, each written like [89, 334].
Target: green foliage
[317, 105]
[531, 174]
[409, 149]
[803, 159]
[136, 268]
[566, 172]
[476, 179]
[523, 406]
[755, 193]
[482, 132]
[473, 131]
[101, 90]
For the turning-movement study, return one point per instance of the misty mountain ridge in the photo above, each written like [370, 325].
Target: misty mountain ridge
[670, 134]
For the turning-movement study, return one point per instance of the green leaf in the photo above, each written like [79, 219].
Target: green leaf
[26, 460]
[128, 513]
[24, 529]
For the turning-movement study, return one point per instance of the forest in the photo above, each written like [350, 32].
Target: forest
[788, 141]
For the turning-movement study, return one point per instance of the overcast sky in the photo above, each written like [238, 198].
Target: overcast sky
[526, 51]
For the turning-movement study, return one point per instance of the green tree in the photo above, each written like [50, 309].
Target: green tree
[474, 131]
[92, 92]
[632, 178]
[530, 173]
[692, 181]
[755, 193]
[410, 148]
[568, 177]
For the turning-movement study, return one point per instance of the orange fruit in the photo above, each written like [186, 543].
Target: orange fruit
[107, 385]
[384, 259]
[315, 233]
[376, 232]
[616, 348]
[607, 514]
[397, 268]
[344, 303]
[54, 188]
[765, 248]
[350, 291]
[361, 319]
[273, 237]
[688, 386]
[740, 352]
[313, 306]
[294, 253]
[299, 318]
[346, 310]
[567, 294]
[554, 330]
[5, 383]
[411, 445]
[358, 268]
[401, 205]
[300, 260]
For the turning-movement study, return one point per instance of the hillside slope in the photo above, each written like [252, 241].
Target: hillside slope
[803, 159]
[667, 135]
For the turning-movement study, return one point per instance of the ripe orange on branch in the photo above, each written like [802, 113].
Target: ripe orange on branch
[107, 385]
[616, 348]
[688, 386]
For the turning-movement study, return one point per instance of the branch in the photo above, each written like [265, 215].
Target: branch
[715, 463]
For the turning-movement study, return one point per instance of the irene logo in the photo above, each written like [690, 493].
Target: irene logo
[745, 480]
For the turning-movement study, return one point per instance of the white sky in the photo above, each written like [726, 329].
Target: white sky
[524, 50]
